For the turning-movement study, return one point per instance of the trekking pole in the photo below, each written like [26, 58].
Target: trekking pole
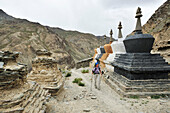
[91, 82]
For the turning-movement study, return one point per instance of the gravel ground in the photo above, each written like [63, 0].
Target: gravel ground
[78, 99]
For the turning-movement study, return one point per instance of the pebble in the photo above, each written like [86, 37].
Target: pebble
[93, 97]
[80, 97]
[47, 99]
[75, 98]
[163, 101]
[90, 94]
[148, 97]
[67, 103]
[86, 110]
[84, 91]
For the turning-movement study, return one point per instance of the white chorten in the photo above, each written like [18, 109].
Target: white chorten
[117, 48]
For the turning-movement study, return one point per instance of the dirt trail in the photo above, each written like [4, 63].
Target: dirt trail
[77, 99]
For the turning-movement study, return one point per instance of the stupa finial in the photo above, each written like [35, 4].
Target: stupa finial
[111, 38]
[138, 24]
[120, 32]
[104, 36]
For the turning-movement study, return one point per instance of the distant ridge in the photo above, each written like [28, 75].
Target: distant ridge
[4, 16]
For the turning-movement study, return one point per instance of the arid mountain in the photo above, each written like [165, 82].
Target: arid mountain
[80, 45]
[27, 37]
[158, 26]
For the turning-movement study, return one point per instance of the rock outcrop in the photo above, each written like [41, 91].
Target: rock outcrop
[158, 26]
[45, 72]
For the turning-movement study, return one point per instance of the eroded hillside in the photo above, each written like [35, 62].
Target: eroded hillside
[158, 26]
[80, 45]
[27, 37]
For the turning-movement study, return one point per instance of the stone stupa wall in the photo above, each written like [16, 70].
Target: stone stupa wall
[17, 95]
[45, 72]
[12, 74]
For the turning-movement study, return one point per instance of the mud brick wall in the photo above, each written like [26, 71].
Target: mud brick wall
[84, 63]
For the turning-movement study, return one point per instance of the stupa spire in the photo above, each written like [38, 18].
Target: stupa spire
[105, 38]
[111, 38]
[120, 32]
[138, 24]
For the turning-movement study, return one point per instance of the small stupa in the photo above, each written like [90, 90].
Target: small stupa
[108, 50]
[117, 47]
[100, 52]
[111, 38]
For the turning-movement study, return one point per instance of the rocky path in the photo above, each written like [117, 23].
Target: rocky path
[77, 99]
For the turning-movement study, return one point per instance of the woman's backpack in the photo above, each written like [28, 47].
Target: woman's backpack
[96, 70]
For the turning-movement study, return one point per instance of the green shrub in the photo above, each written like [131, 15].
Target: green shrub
[163, 96]
[77, 80]
[68, 74]
[155, 96]
[134, 96]
[85, 71]
[81, 84]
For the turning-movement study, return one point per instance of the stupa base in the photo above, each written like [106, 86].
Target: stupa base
[141, 66]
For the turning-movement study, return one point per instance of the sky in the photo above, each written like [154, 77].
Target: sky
[88, 16]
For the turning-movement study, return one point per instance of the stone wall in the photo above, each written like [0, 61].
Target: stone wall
[84, 63]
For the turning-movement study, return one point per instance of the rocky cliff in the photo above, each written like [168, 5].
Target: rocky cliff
[158, 26]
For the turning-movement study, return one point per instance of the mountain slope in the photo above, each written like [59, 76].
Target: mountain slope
[158, 26]
[80, 45]
[27, 37]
